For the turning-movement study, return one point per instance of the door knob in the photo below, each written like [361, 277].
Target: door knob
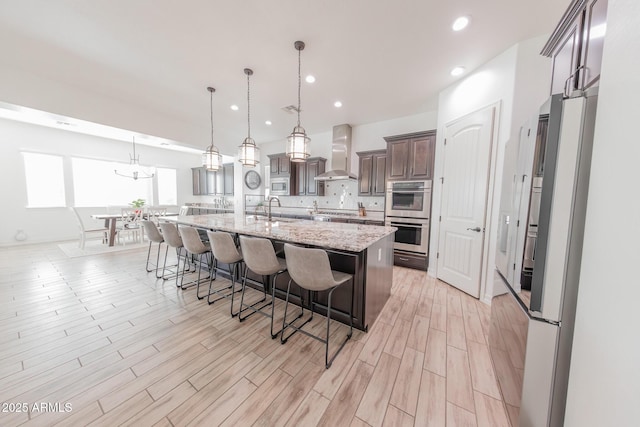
[477, 229]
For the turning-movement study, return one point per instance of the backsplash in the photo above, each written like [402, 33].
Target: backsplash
[341, 194]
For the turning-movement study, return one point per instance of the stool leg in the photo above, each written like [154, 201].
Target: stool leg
[232, 268]
[348, 337]
[291, 324]
[148, 254]
[251, 306]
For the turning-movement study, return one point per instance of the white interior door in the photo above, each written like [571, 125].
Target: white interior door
[464, 200]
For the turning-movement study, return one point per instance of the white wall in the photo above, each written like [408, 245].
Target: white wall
[604, 381]
[517, 82]
[50, 224]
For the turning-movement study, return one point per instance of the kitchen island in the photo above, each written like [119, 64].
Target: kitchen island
[365, 251]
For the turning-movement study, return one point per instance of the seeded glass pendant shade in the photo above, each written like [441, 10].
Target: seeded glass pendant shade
[298, 141]
[133, 169]
[211, 158]
[249, 153]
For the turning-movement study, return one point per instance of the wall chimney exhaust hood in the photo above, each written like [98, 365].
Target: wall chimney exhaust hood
[340, 152]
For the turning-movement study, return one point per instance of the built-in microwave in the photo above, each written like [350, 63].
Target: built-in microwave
[280, 186]
[408, 199]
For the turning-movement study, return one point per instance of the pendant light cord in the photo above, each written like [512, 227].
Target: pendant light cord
[211, 110]
[299, 83]
[248, 107]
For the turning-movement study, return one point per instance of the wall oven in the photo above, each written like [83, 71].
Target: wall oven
[280, 186]
[408, 199]
[412, 234]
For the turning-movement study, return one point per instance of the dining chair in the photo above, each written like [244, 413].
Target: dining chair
[155, 213]
[130, 224]
[85, 232]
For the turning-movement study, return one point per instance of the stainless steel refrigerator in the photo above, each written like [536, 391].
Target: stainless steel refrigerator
[532, 331]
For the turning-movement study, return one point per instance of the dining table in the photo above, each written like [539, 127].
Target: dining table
[111, 220]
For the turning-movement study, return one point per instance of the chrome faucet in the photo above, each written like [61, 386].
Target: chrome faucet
[271, 199]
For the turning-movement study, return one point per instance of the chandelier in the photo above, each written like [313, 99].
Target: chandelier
[249, 152]
[211, 158]
[133, 169]
[298, 141]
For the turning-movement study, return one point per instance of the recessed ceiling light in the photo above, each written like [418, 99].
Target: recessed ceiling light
[234, 107]
[310, 79]
[337, 104]
[457, 71]
[460, 23]
[268, 122]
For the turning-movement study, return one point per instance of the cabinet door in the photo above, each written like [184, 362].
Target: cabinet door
[273, 166]
[593, 42]
[365, 175]
[195, 178]
[565, 61]
[398, 152]
[315, 168]
[284, 165]
[379, 174]
[421, 158]
[228, 179]
[211, 178]
[300, 179]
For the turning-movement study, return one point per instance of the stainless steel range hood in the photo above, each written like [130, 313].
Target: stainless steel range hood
[340, 152]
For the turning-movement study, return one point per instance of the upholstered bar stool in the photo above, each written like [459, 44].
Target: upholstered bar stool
[311, 270]
[223, 248]
[260, 257]
[195, 246]
[154, 236]
[172, 238]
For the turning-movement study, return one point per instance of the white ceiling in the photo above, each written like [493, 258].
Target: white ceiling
[383, 59]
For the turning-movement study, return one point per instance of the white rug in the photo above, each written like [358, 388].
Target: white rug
[96, 247]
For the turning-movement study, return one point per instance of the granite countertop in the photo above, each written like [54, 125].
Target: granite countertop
[340, 236]
[335, 213]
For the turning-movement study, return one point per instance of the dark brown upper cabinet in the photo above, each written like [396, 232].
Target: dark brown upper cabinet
[372, 172]
[306, 172]
[280, 165]
[410, 156]
[576, 46]
[206, 182]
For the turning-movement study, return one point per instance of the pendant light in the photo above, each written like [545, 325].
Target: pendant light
[211, 158]
[249, 152]
[133, 169]
[298, 141]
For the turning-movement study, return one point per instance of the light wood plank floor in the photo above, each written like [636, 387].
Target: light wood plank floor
[119, 347]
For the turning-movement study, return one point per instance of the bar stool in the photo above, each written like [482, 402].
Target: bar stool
[260, 257]
[311, 270]
[195, 246]
[224, 250]
[172, 238]
[154, 237]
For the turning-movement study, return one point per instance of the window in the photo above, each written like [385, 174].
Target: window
[96, 184]
[167, 186]
[45, 180]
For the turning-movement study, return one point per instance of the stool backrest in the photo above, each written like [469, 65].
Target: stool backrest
[171, 235]
[223, 247]
[191, 240]
[152, 231]
[259, 255]
[309, 267]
